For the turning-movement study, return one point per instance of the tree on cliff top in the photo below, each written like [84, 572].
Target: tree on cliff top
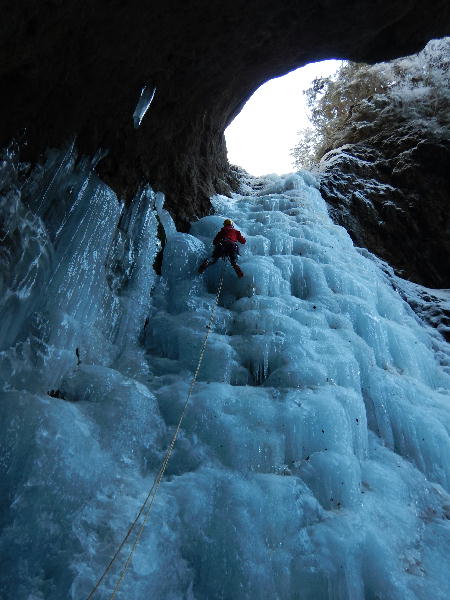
[360, 100]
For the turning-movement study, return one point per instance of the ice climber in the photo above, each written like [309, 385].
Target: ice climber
[225, 245]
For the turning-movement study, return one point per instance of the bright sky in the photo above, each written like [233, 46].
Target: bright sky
[262, 135]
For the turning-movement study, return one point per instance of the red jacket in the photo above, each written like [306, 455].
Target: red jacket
[228, 232]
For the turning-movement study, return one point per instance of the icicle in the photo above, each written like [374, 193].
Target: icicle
[164, 216]
[145, 99]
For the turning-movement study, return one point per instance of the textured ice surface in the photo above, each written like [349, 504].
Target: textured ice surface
[313, 462]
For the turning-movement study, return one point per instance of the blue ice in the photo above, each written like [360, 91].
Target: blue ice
[313, 461]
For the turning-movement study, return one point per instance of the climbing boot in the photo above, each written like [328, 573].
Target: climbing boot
[238, 271]
[202, 268]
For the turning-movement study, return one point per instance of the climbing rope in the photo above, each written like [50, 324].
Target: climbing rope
[148, 502]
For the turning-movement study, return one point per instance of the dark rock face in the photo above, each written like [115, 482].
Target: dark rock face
[391, 193]
[72, 68]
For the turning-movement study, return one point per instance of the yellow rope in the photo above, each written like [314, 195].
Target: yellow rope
[156, 483]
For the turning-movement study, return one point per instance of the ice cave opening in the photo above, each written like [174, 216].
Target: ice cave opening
[260, 138]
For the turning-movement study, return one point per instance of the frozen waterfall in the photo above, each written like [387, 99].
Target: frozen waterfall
[314, 460]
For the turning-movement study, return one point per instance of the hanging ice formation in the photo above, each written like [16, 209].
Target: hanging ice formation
[145, 99]
[314, 459]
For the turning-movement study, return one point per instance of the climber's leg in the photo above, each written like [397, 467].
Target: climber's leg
[232, 253]
[218, 253]
[238, 270]
[205, 264]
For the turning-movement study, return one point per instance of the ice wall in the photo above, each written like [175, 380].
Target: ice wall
[313, 463]
[76, 279]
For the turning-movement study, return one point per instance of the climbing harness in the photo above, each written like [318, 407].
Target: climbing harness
[148, 502]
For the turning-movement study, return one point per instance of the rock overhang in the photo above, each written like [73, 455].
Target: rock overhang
[77, 70]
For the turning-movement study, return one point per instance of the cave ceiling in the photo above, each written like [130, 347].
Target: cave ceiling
[76, 69]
